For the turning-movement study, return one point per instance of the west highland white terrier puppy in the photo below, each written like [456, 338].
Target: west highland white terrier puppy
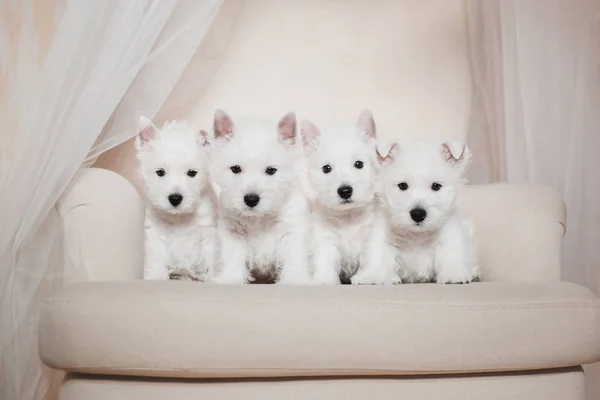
[421, 181]
[348, 230]
[180, 223]
[263, 224]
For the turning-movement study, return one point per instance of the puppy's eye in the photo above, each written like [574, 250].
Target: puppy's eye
[160, 172]
[435, 186]
[191, 173]
[270, 170]
[358, 165]
[236, 169]
[403, 185]
[326, 169]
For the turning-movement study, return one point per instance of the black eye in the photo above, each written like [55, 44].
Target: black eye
[236, 169]
[160, 172]
[191, 173]
[270, 170]
[358, 164]
[326, 169]
[403, 185]
[436, 186]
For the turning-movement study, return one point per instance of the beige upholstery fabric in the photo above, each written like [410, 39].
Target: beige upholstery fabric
[518, 228]
[189, 329]
[408, 61]
[547, 385]
[103, 220]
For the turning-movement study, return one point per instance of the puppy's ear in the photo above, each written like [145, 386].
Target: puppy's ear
[286, 128]
[386, 153]
[215, 186]
[310, 134]
[456, 154]
[203, 138]
[148, 132]
[366, 124]
[222, 125]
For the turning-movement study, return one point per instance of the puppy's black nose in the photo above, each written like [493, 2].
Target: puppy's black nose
[251, 199]
[175, 199]
[345, 192]
[418, 214]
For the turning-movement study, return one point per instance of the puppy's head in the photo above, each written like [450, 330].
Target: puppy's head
[340, 163]
[253, 164]
[172, 165]
[420, 181]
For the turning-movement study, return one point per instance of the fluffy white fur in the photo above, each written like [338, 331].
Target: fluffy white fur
[258, 160]
[180, 223]
[424, 177]
[348, 230]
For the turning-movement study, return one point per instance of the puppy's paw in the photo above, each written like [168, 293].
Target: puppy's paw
[326, 279]
[457, 278]
[156, 273]
[294, 274]
[181, 274]
[366, 278]
[178, 276]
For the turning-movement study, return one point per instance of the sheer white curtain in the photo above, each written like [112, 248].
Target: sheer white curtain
[536, 116]
[75, 76]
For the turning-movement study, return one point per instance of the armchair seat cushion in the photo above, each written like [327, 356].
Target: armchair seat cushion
[188, 329]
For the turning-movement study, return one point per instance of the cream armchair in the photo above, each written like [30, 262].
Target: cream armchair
[519, 334]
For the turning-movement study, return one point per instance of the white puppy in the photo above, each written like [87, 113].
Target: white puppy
[263, 223]
[180, 221]
[421, 181]
[348, 231]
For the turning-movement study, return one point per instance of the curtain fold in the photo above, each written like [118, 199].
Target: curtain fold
[536, 119]
[75, 76]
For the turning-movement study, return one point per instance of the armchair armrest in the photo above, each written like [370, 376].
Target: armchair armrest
[518, 228]
[103, 221]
